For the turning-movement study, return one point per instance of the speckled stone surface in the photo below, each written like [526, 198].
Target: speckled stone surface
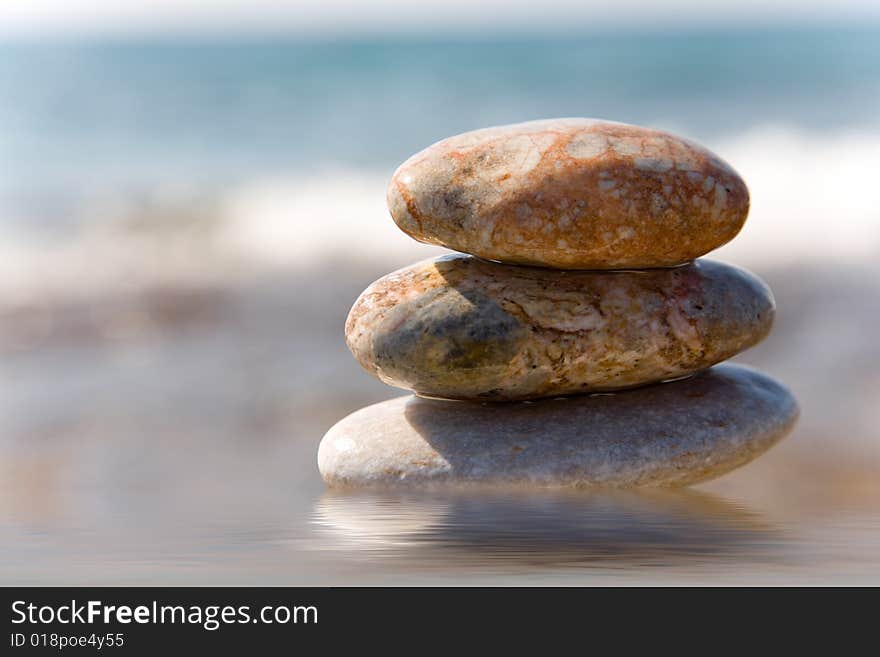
[461, 328]
[570, 193]
[675, 433]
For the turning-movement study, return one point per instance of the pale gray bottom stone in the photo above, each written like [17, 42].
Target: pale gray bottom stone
[676, 433]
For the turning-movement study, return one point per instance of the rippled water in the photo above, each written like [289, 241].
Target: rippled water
[493, 538]
[599, 537]
[172, 437]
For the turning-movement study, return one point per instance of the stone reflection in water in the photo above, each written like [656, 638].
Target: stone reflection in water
[649, 527]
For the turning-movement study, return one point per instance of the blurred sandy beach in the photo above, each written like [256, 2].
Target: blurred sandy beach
[172, 347]
[168, 434]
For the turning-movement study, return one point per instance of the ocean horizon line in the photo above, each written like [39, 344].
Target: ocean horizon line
[441, 33]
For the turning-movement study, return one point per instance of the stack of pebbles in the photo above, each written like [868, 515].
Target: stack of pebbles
[575, 345]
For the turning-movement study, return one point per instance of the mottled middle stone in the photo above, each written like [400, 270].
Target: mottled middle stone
[459, 327]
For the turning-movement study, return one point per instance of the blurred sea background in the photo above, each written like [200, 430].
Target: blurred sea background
[186, 217]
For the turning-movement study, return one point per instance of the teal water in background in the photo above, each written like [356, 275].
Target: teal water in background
[130, 116]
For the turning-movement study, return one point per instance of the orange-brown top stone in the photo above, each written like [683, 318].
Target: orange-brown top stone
[570, 194]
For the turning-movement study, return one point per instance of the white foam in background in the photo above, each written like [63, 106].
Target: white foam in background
[814, 199]
[300, 222]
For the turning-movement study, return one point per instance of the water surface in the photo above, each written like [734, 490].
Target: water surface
[171, 438]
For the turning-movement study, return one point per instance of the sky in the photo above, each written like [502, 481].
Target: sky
[85, 17]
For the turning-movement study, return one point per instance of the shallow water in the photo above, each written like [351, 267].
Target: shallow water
[493, 538]
[171, 439]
